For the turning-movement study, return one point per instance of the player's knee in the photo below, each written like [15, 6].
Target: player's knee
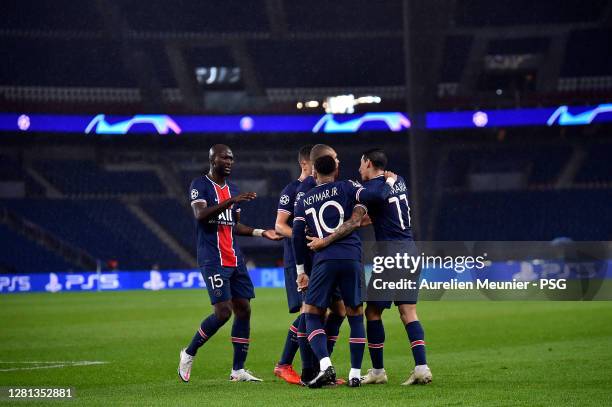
[373, 313]
[354, 311]
[243, 312]
[338, 308]
[408, 313]
[223, 312]
[242, 308]
[312, 309]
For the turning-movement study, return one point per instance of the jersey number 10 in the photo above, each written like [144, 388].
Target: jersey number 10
[320, 222]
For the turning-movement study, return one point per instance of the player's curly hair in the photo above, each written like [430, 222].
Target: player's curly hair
[325, 165]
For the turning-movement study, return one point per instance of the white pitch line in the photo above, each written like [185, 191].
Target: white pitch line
[51, 366]
[39, 362]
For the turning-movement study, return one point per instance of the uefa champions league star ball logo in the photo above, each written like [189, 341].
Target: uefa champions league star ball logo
[246, 123]
[284, 200]
[194, 193]
[480, 119]
[23, 122]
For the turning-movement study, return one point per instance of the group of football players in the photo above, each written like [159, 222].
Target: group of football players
[317, 217]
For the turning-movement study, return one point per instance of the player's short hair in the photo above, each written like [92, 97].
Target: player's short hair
[304, 154]
[319, 150]
[377, 157]
[325, 165]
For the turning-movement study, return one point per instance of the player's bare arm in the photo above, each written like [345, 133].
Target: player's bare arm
[344, 230]
[201, 211]
[281, 225]
[244, 230]
[298, 233]
[366, 221]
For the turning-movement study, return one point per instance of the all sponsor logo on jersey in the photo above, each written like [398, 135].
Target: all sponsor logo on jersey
[224, 218]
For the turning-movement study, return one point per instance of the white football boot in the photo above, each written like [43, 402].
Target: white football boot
[420, 375]
[243, 375]
[374, 378]
[184, 367]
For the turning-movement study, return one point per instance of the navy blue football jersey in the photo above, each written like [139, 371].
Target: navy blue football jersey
[324, 208]
[286, 204]
[307, 184]
[215, 237]
[390, 217]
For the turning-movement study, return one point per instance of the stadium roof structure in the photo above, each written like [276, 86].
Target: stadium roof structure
[144, 57]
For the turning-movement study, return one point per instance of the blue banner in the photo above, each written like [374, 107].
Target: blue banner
[124, 280]
[175, 125]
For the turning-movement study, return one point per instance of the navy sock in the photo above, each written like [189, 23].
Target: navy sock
[207, 329]
[332, 329]
[417, 342]
[376, 342]
[305, 351]
[241, 330]
[291, 344]
[357, 340]
[316, 335]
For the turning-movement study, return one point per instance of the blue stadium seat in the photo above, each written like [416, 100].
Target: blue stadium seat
[597, 166]
[85, 177]
[104, 228]
[176, 218]
[21, 255]
[526, 215]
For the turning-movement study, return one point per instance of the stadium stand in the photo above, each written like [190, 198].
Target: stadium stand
[525, 215]
[20, 254]
[126, 200]
[597, 167]
[81, 177]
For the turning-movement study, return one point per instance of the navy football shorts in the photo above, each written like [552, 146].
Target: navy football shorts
[294, 297]
[391, 248]
[329, 274]
[387, 304]
[225, 283]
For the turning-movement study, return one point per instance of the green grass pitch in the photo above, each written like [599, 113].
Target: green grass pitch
[480, 353]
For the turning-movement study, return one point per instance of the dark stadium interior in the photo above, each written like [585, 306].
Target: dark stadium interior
[82, 199]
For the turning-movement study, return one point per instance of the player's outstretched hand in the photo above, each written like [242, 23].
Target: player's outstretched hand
[245, 196]
[316, 243]
[391, 174]
[302, 282]
[272, 235]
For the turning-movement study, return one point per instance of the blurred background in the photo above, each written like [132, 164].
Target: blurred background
[73, 201]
